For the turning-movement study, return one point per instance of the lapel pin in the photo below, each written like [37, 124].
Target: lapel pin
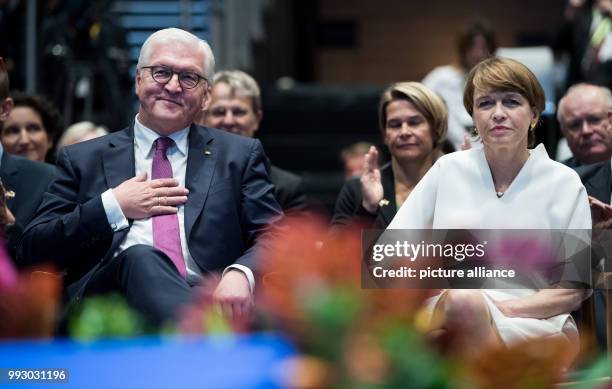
[207, 152]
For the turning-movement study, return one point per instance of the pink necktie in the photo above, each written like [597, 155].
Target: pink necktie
[166, 235]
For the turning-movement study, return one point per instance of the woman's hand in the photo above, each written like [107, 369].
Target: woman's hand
[6, 216]
[601, 213]
[371, 184]
[507, 307]
[467, 142]
[543, 304]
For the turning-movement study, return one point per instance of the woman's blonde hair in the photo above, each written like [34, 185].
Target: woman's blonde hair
[424, 99]
[506, 75]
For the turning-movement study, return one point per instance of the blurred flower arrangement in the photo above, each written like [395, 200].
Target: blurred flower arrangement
[28, 301]
[377, 338]
[348, 336]
[352, 337]
[106, 316]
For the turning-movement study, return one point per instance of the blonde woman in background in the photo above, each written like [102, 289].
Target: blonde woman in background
[413, 121]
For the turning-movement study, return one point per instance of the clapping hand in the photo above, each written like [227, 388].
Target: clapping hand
[6, 216]
[467, 142]
[601, 213]
[371, 185]
[140, 199]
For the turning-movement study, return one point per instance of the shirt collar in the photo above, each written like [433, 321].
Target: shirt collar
[144, 138]
[1, 153]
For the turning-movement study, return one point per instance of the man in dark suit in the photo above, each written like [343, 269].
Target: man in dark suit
[597, 179]
[205, 208]
[586, 36]
[24, 181]
[235, 107]
[585, 119]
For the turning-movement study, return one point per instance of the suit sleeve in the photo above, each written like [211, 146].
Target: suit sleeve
[349, 211]
[347, 204]
[65, 228]
[13, 233]
[31, 182]
[260, 210]
[296, 199]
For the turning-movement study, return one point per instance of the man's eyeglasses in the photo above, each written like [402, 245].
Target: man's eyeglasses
[592, 120]
[163, 74]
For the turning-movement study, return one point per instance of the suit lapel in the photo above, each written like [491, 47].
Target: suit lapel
[201, 161]
[606, 182]
[599, 185]
[118, 160]
[119, 165]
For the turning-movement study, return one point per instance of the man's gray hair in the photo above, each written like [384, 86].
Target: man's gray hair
[174, 35]
[239, 81]
[581, 88]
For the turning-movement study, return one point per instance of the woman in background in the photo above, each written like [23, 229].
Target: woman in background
[413, 122]
[31, 128]
[476, 42]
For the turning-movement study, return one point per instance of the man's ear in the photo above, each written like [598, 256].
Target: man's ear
[5, 108]
[259, 116]
[206, 99]
[138, 80]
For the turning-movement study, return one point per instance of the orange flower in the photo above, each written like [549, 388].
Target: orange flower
[28, 309]
[305, 259]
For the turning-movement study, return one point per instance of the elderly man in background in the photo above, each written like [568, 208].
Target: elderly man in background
[235, 107]
[148, 210]
[585, 119]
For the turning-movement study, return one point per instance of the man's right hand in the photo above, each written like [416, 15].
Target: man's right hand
[139, 198]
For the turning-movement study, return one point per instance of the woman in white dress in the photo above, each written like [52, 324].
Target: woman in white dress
[502, 185]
